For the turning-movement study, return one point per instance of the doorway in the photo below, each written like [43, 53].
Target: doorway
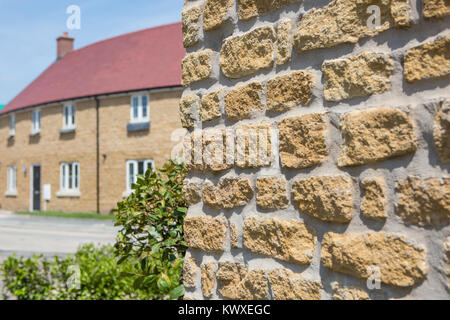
[36, 191]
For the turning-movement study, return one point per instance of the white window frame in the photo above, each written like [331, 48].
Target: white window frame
[12, 125]
[11, 179]
[36, 117]
[140, 117]
[135, 164]
[69, 183]
[69, 119]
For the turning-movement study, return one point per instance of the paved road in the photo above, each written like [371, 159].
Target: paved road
[26, 235]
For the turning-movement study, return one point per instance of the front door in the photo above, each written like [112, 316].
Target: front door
[36, 188]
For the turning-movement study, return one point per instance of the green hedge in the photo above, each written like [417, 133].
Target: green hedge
[151, 221]
[145, 263]
[92, 273]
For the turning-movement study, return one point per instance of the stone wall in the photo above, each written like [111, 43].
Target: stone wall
[318, 149]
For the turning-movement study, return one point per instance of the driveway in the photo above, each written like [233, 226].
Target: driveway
[26, 235]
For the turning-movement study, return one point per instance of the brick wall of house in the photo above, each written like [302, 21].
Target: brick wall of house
[352, 200]
[50, 148]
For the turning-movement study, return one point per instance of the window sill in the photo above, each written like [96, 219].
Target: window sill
[68, 194]
[11, 194]
[126, 194]
[138, 126]
[67, 130]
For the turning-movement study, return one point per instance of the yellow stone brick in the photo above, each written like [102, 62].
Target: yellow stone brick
[375, 135]
[302, 141]
[327, 198]
[290, 241]
[205, 233]
[429, 60]
[346, 21]
[400, 263]
[285, 92]
[215, 13]
[245, 55]
[424, 202]
[358, 76]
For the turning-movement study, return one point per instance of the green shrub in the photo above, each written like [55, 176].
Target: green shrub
[152, 231]
[90, 274]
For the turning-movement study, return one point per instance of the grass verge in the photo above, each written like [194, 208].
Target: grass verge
[54, 214]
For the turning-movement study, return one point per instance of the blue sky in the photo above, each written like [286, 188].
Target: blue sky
[28, 31]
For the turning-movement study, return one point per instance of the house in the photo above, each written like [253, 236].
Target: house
[75, 139]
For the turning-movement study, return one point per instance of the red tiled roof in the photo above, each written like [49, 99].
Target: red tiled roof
[145, 59]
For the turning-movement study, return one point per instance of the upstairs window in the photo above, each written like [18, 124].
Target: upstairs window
[69, 116]
[12, 183]
[70, 176]
[139, 109]
[12, 125]
[135, 168]
[36, 119]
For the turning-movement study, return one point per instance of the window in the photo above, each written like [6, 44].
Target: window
[135, 167]
[12, 125]
[70, 176]
[12, 187]
[139, 109]
[36, 119]
[69, 116]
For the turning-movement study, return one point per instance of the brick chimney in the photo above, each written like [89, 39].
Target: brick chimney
[64, 45]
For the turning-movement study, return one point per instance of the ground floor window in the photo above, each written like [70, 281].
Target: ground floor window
[136, 167]
[70, 176]
[12, 182]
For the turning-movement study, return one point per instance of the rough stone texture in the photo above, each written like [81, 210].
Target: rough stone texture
[205, 233]
[234, 236]
[345, 21]
[284, 44]
[190, 271]
[215, 13]
[374, 201]
[248, 9]
[424, 202]
[447, 261]
[247, 54]
[272, 193]
[197, 66]
[401, 263]
[348, 293]
[189, 110]
[192, 192]
[354, 129]
[302, 141]
[208, 151]
[287, 285]
[327, 198]
[210, 106]
[436, 8]
[191, 26]
[429, 60]
[243, 101]
[442, 132]
[285, 92]
[375, 135]
[290, 241]
[357, 76]
[229, 193]
[208, 279]
[253, 145]
[215, 150]
[238, 283]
